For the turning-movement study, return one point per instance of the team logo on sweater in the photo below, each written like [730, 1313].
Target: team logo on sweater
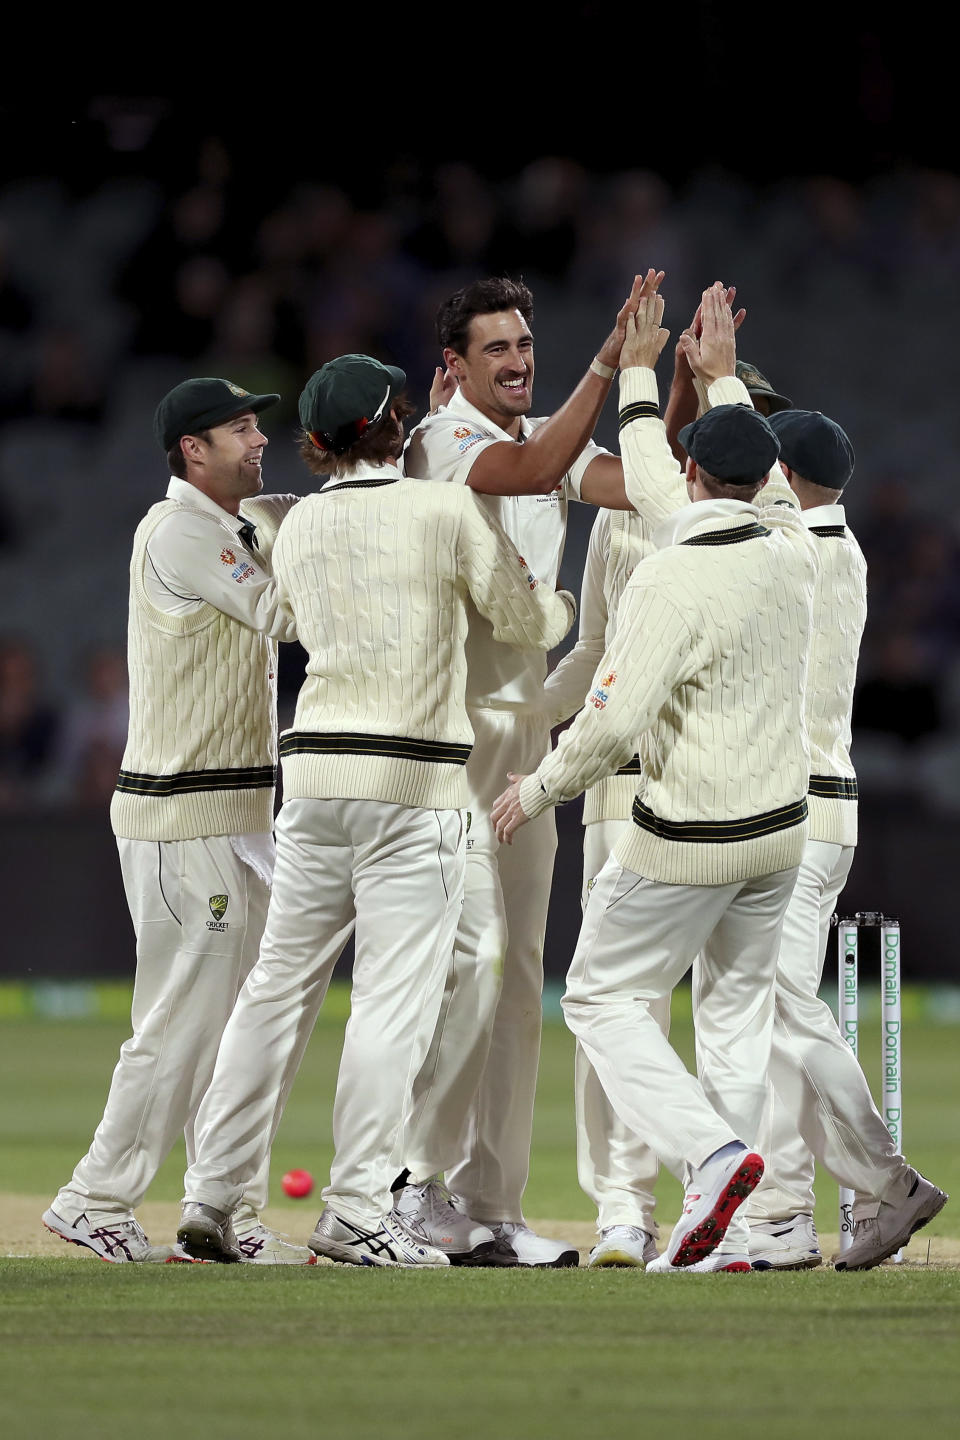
[531, 579]
[227, 556]
[218, 908]
[600, 694]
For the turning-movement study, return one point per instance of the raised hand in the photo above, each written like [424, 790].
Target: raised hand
[713, 352]
[643, 287]
[645, 338]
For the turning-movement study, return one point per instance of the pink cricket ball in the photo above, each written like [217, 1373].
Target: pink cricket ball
[297, 1184]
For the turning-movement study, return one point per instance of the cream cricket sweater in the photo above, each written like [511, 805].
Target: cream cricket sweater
[377, 571]
[619, 540]
[201, 749]
[839, 615]
[708, 665]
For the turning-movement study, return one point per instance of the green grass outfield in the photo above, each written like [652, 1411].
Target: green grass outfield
[94, 1350]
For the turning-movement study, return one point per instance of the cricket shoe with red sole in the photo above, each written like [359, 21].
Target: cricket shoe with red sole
[713, 1265]
[116, 1240]
[715, 1193]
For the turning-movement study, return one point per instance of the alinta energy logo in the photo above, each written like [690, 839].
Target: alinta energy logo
[218, 908]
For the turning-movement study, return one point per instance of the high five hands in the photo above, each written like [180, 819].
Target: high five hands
[709, 343]
[644, 286]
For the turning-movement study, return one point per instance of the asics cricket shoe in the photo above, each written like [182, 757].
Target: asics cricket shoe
[260, 1246]
[533, 1250]
[428, 1213]
[785, 1244]
[716, 1191]
[115, 1240]
[388, 1244]
[877, 1238]
[207, 1233]
[623, 1245]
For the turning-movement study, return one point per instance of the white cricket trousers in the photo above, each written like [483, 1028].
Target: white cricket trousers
[820, 1105]
[472, 1105]
[639, 938]
[616, 1169]
[399, 871]
[198, 912]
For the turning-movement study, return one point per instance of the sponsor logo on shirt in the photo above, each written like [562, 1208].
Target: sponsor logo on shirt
[218, 908]
[467, 438]
[228, 557]
[242, 571]
[531, 579]
[601, 693]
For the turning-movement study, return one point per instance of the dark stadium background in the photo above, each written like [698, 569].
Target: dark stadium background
[255, 230]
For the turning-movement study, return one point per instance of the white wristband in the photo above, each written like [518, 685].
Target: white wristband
[606, 372]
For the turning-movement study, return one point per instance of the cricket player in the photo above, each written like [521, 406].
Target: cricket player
[378, 572]
[706, 671]
[820, 1105]
[193, 809]
[474, 1096]
[616, 1170]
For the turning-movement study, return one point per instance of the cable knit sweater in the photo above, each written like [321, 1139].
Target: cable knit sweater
[708, 665]
[839, 615]
[377, 571]
[201, 749]
[619, 540]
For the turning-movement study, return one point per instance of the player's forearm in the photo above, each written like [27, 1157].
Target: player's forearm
[636, 676]
[682, 405]
[538, 465]
[567, 685]
[653, 479]
[522, 611]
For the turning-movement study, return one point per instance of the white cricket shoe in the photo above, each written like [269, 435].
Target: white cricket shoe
[388, 1244]
[260, 1246]
[881, 1236]
[623, 1245]
[117, 1240]
[715, 1193]
[785, 1244]
[533, 1250]
[428, 1212]
[207, 1233]
[734, 1263]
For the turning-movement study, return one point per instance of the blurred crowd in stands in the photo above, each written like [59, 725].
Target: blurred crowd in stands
[116, 285]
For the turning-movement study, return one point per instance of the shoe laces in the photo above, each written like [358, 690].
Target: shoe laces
[439, 1199]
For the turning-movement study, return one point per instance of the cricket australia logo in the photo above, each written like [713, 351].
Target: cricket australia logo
[218, 908]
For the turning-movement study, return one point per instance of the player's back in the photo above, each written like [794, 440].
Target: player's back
[369, 568]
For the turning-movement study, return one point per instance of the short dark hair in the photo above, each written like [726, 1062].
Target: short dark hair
[746, 490]
[380, 442]
[175, 459]
[483, 297]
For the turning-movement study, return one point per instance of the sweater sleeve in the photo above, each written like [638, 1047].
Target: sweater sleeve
[566, 687]
[504, 589]
[267, 513]
[193, 558]
[651, 654]
[652, 478]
